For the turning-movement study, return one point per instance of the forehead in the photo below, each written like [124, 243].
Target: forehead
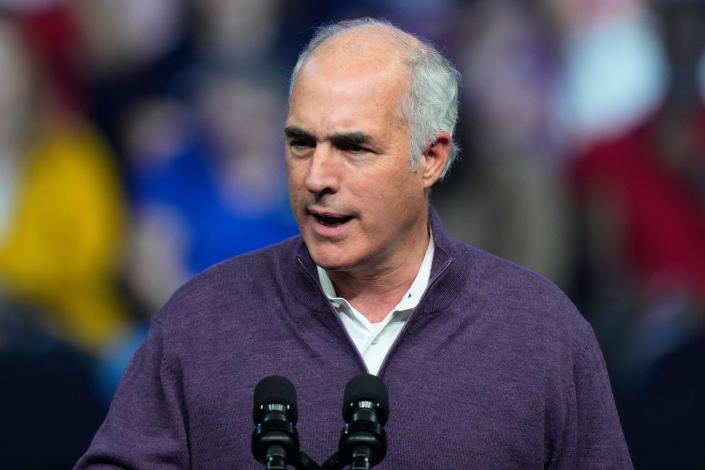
[347, 83]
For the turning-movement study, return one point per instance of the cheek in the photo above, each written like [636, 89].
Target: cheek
[295, 178]
[295, 195]
[395, 187]
[384, 201]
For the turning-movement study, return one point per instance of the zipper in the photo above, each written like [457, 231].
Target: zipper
[393, 347]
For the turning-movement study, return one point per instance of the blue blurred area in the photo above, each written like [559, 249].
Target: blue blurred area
[141, 142]
[190, 187]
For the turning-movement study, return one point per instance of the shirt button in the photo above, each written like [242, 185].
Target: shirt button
[374, 341]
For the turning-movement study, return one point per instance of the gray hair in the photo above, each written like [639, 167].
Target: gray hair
[431, 103]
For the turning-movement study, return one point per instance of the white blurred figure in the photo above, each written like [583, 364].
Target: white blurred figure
[237, 30]
[615, 71]
[121, 34]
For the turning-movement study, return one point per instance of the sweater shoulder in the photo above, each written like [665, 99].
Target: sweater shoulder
[511, 294]
[227, 285]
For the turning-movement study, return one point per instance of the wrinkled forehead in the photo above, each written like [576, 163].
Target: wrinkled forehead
[333, 95]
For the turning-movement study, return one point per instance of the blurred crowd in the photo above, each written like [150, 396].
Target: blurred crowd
[141, 141]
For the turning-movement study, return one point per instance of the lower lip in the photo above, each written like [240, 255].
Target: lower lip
[330, 232]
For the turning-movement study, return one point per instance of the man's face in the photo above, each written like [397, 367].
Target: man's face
[356, 202]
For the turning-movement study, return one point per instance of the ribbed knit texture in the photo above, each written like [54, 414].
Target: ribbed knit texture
[494, 370]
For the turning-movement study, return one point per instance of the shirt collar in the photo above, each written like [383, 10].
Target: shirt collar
[412, 296]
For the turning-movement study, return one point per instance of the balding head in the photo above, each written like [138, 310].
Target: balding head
[429, 103]
[369, 53]
[368, 42]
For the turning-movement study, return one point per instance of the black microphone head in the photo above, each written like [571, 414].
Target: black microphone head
[275, 389]
[366, 387]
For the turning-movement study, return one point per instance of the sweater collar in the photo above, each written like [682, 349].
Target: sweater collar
[447, 275]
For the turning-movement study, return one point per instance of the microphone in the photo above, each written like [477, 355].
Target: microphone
[365, 411]
[275, 441]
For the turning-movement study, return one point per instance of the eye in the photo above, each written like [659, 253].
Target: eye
[299, 146]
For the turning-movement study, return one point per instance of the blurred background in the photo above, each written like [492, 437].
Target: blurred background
[141, 141]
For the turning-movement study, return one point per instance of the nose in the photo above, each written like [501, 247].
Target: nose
[323, 172]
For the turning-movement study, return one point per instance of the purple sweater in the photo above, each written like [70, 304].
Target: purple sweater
[494, 370]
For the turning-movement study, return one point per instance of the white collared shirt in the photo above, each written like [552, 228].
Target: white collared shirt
[374, 340]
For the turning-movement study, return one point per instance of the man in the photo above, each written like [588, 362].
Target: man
[494, 367]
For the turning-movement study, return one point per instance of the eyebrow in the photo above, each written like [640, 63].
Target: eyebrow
[350, 139]
[344, 139]
[293, 133]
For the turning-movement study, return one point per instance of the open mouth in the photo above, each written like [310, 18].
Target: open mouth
[331, 220]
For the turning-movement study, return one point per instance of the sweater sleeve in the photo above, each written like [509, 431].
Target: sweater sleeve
[593, 434]
[145, 427]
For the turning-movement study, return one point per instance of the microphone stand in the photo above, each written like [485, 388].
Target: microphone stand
[275, 458]
[304, 462]
[361, 458]
[333, 463]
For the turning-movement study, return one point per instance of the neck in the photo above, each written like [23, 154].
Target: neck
[374, 292]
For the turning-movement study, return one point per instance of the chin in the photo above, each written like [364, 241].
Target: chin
[330, 261]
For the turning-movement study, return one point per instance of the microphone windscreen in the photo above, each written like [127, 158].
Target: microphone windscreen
[366, 387]
[275, 389]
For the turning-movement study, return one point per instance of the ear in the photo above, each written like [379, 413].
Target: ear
[435, 157]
